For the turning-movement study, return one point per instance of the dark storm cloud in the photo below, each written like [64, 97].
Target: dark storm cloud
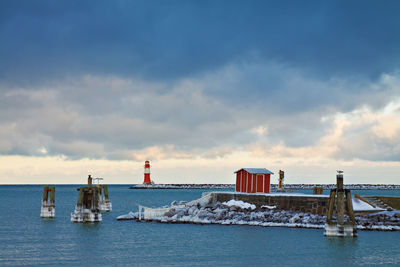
[172, 39]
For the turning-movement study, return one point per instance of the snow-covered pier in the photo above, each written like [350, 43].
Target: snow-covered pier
[211, 208]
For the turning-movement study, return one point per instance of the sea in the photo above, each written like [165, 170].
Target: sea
[27, 239]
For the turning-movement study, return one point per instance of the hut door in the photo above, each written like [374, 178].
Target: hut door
[260, 183]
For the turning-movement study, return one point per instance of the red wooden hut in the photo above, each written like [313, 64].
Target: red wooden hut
[253, 180]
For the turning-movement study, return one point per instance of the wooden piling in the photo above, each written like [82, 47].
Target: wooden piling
[45, 193]
[90, 181]
[332, 200]
[317, 190]
[105, 188]
[80, 197]
[350, 206]
[340, 228]
[52, 194]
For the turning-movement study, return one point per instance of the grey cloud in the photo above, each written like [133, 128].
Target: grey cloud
[368, 146]
[111, 116]
[126, 120]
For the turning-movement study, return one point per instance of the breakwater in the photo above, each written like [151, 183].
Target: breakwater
[183, 186]
[273, 186]
[346, 186]
[212, 209]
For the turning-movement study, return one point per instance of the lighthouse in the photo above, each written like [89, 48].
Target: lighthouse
[147, 173]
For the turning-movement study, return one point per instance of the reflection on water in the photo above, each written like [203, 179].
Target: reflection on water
[342, 242]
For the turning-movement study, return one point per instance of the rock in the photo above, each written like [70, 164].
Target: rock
[170, 213]
[234, 208]
[202, 214]
[180, 213]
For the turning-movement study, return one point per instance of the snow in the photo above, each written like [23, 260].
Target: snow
[359, 205]
[240, 204]
[130, 216]
[268, 207]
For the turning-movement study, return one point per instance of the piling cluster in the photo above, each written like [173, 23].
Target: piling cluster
[340, 203]
[92, 200]
[48, 209]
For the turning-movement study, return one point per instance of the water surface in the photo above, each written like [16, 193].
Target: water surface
[26, 239]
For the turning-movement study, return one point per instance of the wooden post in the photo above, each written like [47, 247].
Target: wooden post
[281, 177]
[45, 193]
[95, 199]
[340, 207]
[89, 181]
[332, 201]
[52, 194]
[340, 199]
[105, 187]
[317, 190]
[350, 206]
[80, 197]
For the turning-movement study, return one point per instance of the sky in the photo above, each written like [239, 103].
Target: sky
[199, 88]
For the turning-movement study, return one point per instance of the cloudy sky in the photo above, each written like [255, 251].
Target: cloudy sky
[199, 88]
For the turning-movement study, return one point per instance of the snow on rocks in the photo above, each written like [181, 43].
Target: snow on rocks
[385, 220]
[235, 212]
[130, 216]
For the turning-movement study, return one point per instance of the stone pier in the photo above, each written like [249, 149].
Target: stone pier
[315, 204]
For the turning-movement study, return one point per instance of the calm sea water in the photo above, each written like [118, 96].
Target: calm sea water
[26, 239]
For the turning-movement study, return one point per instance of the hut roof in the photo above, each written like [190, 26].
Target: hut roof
[256, 170]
